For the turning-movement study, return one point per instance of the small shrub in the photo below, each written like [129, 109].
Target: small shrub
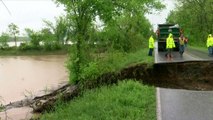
[25, 46]
[91, 71]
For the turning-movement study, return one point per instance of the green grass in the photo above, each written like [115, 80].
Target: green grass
[141, 56]
[118, 61]
[113, 62]
[128, 100]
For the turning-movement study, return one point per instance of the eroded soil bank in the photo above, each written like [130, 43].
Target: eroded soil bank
[187, 75]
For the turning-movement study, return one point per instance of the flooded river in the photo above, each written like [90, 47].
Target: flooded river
[22, 76]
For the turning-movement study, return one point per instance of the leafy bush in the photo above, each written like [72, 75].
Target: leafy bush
[91, 71]
[25, 46]
[52, 45]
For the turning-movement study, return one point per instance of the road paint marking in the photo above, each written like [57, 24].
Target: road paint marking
[158, 104]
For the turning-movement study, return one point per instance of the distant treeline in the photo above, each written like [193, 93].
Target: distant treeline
[196, 19]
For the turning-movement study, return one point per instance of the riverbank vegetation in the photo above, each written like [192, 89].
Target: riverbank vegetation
[127, 100]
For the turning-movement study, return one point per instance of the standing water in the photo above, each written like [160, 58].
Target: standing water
[22, 76]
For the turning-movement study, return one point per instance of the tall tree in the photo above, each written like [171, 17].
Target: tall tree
[60, 29]
[14, 31]
[83, 12]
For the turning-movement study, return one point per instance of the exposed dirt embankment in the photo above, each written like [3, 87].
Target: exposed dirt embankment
[188, 75]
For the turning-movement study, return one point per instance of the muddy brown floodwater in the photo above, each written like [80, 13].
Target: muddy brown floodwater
[22, 76]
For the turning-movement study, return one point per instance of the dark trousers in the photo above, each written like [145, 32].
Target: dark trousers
[210, 49]
[169, 52]
[181, 49]
[150, 51]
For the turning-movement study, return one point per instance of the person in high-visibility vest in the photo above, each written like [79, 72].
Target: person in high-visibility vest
[151, 45]
[170, 44]
[209, 44]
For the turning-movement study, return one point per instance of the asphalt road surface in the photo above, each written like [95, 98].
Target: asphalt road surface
[184, 104]
[188, 55]
[176, 104]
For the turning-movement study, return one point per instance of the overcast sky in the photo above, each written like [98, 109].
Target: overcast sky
[30, 13]
[160, 18]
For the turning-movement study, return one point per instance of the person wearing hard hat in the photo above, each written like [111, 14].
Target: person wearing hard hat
[151, 45]
[170, 44]
[209, 44]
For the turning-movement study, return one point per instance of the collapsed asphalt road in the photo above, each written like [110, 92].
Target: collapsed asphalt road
[177, 104]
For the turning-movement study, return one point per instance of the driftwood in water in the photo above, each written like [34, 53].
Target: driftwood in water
[45, 102]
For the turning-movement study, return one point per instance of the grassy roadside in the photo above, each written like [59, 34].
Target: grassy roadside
[128, 100]
[119, 61]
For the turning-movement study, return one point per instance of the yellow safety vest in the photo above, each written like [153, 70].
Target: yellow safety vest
[170, 42]
[209, 42]
[151, 42]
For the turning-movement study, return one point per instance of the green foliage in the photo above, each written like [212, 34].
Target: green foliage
[24, 47]
[127, 33]
[117, 60]
[90, 71]
[14, 31]
[60, 29]
[35, 37]
[195, 17]
[128, 100]
[3, 41]
[109, 62]
[49, 40]
[122, 23]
